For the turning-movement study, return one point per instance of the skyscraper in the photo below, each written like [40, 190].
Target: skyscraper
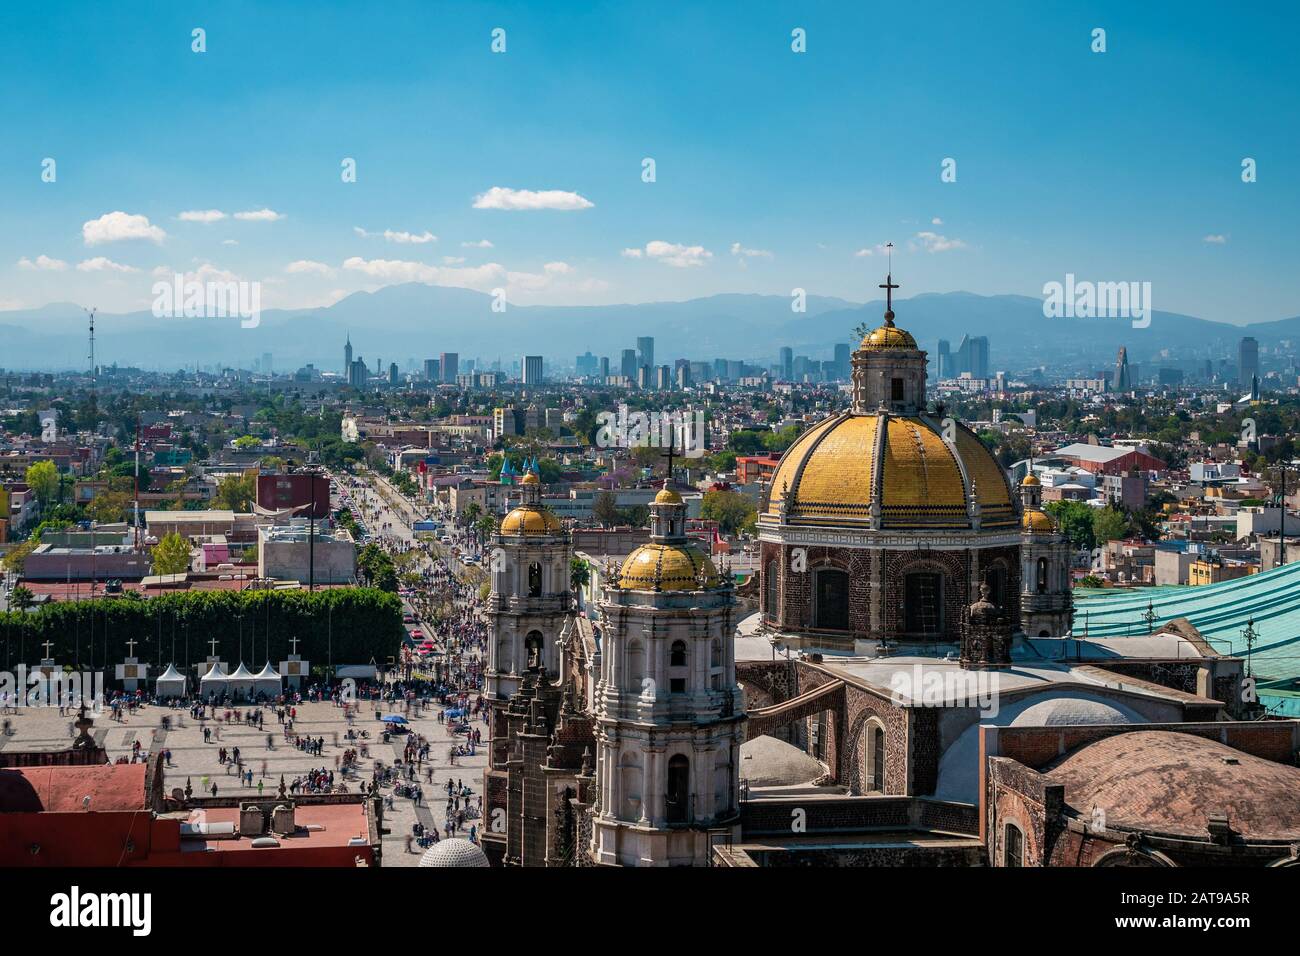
[604, 367]
[628, 365]
[787, 363]
[347, 358]
[532, 370]
[1247, 361]
[450, 366]
[1122, 380]
[645, 348]
[973, 356]
[944, 362]
[842, 362]
[431, 370]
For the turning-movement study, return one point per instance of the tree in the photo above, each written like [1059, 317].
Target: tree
[605, 508]
[235, 493]
[247, 441]
[108, 506]
[22, 599]
[579, 574]
[43, 478]
[1075, 519]
[730, 509]
[377, 568]
[17, 556]
[484, 528]
[171, 555]
[1110, 524]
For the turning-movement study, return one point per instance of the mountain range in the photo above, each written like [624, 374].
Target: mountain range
[415, 321]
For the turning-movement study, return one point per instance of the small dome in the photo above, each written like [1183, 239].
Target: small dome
[1061, 711]
[888, 336]
[1037, 522]
[667, 567]
[667, 496]
[530, 479]
[768, 762]
[456, 851]
[529, 519]
[1031, 479]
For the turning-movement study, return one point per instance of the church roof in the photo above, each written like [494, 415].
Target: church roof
[667, 567]
[530, 519]
[835, 470]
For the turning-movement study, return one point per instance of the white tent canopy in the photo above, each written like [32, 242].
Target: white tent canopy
[170, 683]
[267, 681]
[214, 681]
[240, 682]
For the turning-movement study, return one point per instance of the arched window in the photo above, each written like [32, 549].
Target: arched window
[533, 649]
[923, 603]
[1013, 846]
[715, 653]
[996, 578]
[677, 655]
[1042, 575]
[877, 759]
[635, 667]
[677, 799]
[831, 599]
[534, 580]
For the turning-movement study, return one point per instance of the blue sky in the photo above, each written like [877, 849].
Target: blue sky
[1123, 165]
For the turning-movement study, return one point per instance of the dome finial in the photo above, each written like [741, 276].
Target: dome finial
[889, 286]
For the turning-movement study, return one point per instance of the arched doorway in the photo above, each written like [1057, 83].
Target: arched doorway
[677, 799]
[831, 600]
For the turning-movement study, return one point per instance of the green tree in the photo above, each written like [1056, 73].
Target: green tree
[604, 508]
[108, 506]
[22, 599]
[171, 555]
[1110, 524]
[579, 574]
[17, 556]
[730, 509]
[1074, 518]
[43, 478]
[235, 493]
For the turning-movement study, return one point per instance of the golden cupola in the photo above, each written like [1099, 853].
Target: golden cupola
[530, 517]
[1034, 520]
[885, 464]
[670, 561]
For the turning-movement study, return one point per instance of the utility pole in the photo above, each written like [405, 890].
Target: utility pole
[311, 537]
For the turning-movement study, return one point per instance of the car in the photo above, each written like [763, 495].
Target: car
[408, 618]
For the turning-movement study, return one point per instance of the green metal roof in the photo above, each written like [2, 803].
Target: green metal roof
[1219, 611]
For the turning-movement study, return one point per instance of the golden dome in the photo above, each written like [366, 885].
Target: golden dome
[667, 496]
[1031, 479]
[530, 479]
[1037, 522]
[832, 472]
[529, 519]
[888, 336]
[667, 567]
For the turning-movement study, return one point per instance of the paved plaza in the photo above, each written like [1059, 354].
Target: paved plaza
[196, 761]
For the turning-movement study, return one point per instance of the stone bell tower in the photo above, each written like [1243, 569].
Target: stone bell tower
[669, 715]
[1046, 604]
[888, 367]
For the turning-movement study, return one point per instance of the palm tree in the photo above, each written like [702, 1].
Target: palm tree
[22, 599]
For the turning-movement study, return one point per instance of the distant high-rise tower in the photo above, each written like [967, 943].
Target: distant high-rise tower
[628, 366]
[787, 363]
[1122, 380]
[842, 362]
[532, 370]
[945, 360]
[1247, 361]
[645, 348]
[450, 366]
[347, 358]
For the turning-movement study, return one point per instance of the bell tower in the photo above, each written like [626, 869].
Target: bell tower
[888, 367]
[1046, 604]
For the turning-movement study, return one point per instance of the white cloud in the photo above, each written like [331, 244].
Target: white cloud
[42, 264]
[230, 242]
[556, 278]
[308, 267]
[933, 242]
[879, 249]
[391, 235]
[501, 197]
[936, 221]
[117, 226]
[671, 254]
[259, 215]
[738, 250]
[557, 268]
[481, 244]
[161, 272]
[1216, 239]
[103, 264]
[202, 215]
[452, 260]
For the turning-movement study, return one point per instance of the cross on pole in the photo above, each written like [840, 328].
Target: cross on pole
[213, 644]
[669, 454]
[130, 647]
[47, 645]
[889, 285]
[293, 641]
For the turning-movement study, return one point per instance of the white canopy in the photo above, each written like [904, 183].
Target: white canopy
[267, 681]
[214, 681]
[171, 683]
[241, 681]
